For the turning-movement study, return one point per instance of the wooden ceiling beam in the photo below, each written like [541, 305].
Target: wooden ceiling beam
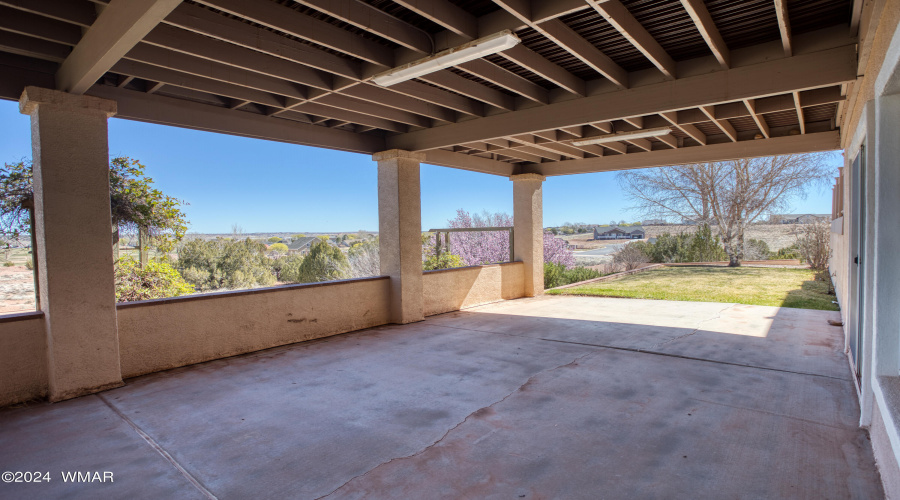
[807, 71]
[180, 113]
[81, 13]
[566, 38]
[167, 59]
[503, 78]
[234, 31]
[287, 20]
[470, 88]
[808, 143]
[472, 163]
[193, 44]
[723, 124]
[445, 14]
[179, 79]
[33, 25]
[707, 27]
[374, 20]
[117, 29]
[759, 119]
[536, 63]
[690, 130]
[338, 113]
[784, 26]
[799, 109]
[620, 18]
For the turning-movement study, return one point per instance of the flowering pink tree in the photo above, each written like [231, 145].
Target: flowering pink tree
[485, 247]
[556, 250]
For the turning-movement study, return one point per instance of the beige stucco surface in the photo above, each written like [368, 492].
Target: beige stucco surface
[400, 231]
[884, 455]
[528, 237]
[23, 359]
[157, 335]
[455, 289]
[886, 20]
[74, 260]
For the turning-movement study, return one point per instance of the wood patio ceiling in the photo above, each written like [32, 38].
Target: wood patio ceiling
[730, 77]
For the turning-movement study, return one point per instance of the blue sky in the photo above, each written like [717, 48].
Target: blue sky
[266, 186]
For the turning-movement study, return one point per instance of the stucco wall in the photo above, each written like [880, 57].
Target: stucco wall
[167, 333]
[884, 455]
[884, 21]
[453, 289]
[23, 358]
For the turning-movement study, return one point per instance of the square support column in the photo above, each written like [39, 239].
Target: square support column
[528, 239]
[72, 223]
[400, 231]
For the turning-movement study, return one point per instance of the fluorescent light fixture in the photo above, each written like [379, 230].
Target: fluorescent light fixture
[624, 136]
[476, 49]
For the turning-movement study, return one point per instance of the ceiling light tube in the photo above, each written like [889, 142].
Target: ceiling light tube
[476, 49]
[624, 136]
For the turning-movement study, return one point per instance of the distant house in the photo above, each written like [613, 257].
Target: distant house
[798, 218]
[654, 222]
[618, 233]
[301, 245]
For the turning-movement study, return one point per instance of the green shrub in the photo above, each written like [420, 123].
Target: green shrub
[791, 252]
[557, 275]
[8, 264]
[287, 269]
[29, 264]
[701, 246]
[445, 261]
[324, 263]
[157, 280]
[225, 263]
[274, 239]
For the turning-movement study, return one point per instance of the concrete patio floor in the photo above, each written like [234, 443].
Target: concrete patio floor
[554, 397]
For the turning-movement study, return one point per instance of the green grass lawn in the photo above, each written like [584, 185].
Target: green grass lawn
[743, 285]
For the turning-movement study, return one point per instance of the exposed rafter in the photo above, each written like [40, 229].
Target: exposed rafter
[566, 38]
[620, 18]
[119, 27]
[819, 69]
[784, 26]
[822, 141]
[704, 22]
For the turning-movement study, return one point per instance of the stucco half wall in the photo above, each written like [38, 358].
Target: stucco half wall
[23, 358]
[454, 289]
[167, 333]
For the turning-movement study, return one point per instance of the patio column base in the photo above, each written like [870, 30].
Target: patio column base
[73, 257]
[528, 240]
[400, 231]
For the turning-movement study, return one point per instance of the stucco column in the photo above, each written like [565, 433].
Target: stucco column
[528, 239]
[400, 231]
[72, 219]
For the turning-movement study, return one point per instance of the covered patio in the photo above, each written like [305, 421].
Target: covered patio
[562, 397]
[406, 383]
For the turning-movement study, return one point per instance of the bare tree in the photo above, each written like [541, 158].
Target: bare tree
[364, 259]
[631, 256]
[814, 244]
[729, 195]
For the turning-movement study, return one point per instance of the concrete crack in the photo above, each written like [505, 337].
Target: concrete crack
[695, 330]
[423, 450]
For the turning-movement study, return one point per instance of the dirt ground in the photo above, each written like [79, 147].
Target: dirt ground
[16, 290]
[585, 241]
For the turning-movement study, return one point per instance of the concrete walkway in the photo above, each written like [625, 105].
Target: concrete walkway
[555, 397]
